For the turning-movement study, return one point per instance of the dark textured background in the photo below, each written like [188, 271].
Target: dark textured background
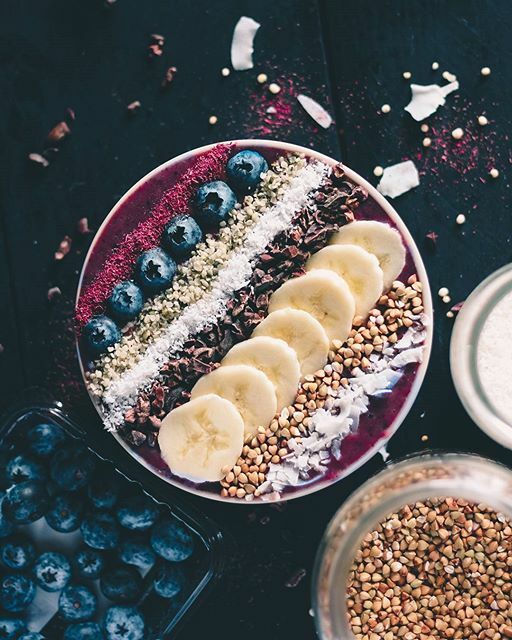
[56, 54]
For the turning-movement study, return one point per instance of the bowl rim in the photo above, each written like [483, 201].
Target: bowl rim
[322, 482]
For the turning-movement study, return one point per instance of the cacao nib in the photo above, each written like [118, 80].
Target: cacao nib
[137, 438]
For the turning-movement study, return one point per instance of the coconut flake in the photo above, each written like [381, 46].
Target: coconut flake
[315, 110]
[242, 43]
[399, 178]
[426, 99]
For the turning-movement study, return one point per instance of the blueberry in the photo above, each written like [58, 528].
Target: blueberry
[244, 169]
[84, 631]
[88, 563]
[104, 488]
[124, 623]
[31, 635]
[171, 540]
[44, 439]
[25, 502]
[214, 200]
[65, 512]
[77, 603]
[17, 553]
[181, 235]
[126, 301]
[52, 571]
[137, 552]
[137, 512]
[22, 468]
[169, 580]
[121, 584]
[10, 628]
[99, 334]
[100, 530]
[72, 467]
[6, 526]
[16, 592]
[155, 270]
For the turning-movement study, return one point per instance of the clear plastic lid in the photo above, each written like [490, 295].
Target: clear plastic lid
[474, 392]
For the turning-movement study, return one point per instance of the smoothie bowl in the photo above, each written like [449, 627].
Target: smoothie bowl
[253, 320]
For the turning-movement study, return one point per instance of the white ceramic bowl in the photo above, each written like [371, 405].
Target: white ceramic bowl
[271, 146]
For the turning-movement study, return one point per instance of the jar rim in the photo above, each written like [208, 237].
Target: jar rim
[472, 477]
[463, 353]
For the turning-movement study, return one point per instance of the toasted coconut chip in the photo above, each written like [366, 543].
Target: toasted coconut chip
[426, 99]
[315, 110]
[399, 178]
[242, 44]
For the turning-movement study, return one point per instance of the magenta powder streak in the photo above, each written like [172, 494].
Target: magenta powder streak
[118, 265]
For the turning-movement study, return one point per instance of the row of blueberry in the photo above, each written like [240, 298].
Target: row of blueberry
[123, 533]
[155, 268]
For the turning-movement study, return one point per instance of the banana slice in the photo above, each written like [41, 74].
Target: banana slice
[302, 333]
[275, 359]
[377, 238]
[201, 437]
[323, 294]
[248, 389]
[357, 267]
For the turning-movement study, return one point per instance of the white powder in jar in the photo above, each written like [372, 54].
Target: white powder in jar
[494, 358]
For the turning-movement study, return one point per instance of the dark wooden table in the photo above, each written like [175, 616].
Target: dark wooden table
[58, 55]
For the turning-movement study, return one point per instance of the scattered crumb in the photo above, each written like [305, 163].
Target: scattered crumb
[212, 120]
[457, 133]
[294, 580]
[424, 438]
[156, 47]
[432, 237]
[443, 291]
[460, 219]
[71, 113]
[64, 248]
[83, 226]
[225, 72]
[262, 78]
[447, 299]
[2, 348]
[482, 121]
[424, 128]
[450, 314]
[435, 66]
[378, 171]
[169, 76]
[53, 292]
[494, 173]
[134, 106]
[273, 87]
[485, 71]
[38, 159]
[426, 142]
[386, 108]
[407, 75]
[59, 132]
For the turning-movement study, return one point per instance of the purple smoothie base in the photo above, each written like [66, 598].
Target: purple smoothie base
[377, 425]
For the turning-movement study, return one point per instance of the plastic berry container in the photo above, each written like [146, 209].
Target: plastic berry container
[418, 478]
[162, 615]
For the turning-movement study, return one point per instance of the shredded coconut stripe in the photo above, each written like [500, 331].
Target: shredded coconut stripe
[123, 392]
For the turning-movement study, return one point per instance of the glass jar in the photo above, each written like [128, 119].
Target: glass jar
[414, 479]
[463, 356]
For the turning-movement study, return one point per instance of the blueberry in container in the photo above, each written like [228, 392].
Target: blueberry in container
[98, 542]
